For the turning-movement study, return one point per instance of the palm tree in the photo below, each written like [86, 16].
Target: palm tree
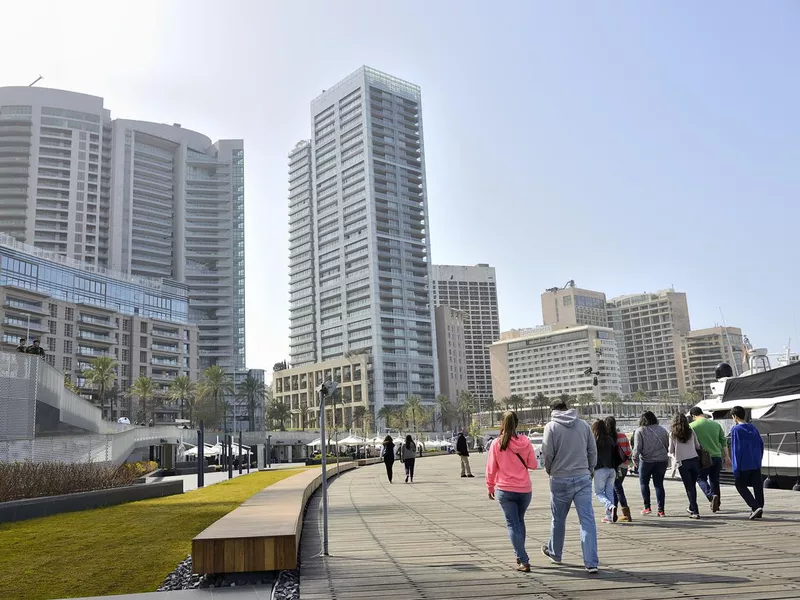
[145, 390]
[387, 415]
[279, 412]
[303, 414]
[585, 400]
[182, 391]
[446, 410]
[690, 398]
[101, 374]
[516, 401]
[613, 399]
[542, 402]
[359, 417]
[640, 396]
[413, 408]
[665, 399]
[253, 391]
[491, 406]
[214, 387]
[466, 407]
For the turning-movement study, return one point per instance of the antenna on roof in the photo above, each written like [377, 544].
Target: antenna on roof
[37, 80]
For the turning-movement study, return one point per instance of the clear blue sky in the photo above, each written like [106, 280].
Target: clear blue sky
[627, 146]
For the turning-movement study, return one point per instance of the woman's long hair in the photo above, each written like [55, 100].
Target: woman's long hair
[611, 426]
[648, 418]
[388, 441]
[508, 428]
[680, 428]
[409, 442]
[600, 432]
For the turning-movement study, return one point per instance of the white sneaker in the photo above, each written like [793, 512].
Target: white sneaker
[592, 570]
[756, 514]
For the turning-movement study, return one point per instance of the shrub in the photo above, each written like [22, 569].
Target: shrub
[20, 480]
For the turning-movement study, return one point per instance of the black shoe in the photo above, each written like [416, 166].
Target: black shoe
[546, 552]
[406, 478]
[463, 475]
[756, 514]
[470, 475]
[715, 502]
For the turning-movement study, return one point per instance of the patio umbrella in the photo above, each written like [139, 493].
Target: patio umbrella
[316, 442]
[352, 440]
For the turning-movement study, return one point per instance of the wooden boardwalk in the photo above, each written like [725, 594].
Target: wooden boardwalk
[442, 538]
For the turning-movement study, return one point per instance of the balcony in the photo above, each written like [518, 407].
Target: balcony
[92, 352]
[95, 337]
[173, 335]
[162, 362]
[23, 325]
[26, 306]
[166, 349]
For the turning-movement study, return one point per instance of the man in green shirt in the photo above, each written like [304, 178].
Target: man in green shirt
[711, 436]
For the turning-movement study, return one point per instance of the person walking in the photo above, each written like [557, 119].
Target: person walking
[605, 471]
[623, 448]
[387, 454]
[747, 450]
[462, 448]
[650, 445]
[711, 436]
[683, 446]
[507, 479]
[408, 453]
[569, 453]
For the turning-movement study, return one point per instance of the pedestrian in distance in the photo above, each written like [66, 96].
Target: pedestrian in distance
[711, 436]
[623, 448]
[22, 345]
[462, 448]
[650, 445]
[510, 457]
[684, 447]
[387, 454]
[570, 455]
[35, 348]
[605, 471]
[408, 453]
[747, 450]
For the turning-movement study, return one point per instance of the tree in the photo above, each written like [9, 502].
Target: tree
[584, 401]
[71, 386]
[413, 409]
[543, 402]
[466, 407]
[101, 374]
[303, 414]
[446, 411]
[690, 398]
[640, 396]
[278, 413]
[182, 391]
[491, 406]
[614, 400]
[359, 415]
[144, 389]
[391, 415]
[516, 401]
[665, 396]
[213, 388]
[253, 391]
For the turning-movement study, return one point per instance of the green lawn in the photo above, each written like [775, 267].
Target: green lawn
[127, 548]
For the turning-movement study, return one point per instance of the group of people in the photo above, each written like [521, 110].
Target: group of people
[34, 348]
[577, 455]
[408, 454]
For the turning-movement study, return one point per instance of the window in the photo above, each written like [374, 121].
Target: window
[51, 344]
[50, 359]
[142, 356]
[53, 310]
[51, 326]
[68, 329]
[143, 341]
[67, 346]
[143, 371]
[66, 363]
[126, 355]
[69, 314]
[143, 327]
[126, 339]
[126, 325]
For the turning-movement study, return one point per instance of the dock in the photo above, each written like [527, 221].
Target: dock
[442, 538]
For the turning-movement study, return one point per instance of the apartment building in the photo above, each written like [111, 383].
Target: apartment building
[472, 289]
[648, 328]
[452, 349]
[143, 199]
[297, 389]
[80, 312]
[359, 243]
[555, 362]
[574, 306]
[703, 349]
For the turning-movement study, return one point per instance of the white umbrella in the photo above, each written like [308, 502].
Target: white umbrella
[352, 440]
[316, 442]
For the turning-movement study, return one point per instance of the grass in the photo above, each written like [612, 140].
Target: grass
[124, 549]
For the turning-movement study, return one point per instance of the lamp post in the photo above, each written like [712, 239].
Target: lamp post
[326, 389]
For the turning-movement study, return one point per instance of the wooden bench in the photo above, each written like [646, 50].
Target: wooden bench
[263, 534]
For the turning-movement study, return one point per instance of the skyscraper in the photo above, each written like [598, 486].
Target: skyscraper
[145, 199]
[473, 290]
[574, 306]
[359, 245]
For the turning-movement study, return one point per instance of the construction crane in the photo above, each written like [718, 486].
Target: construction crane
[569, 284]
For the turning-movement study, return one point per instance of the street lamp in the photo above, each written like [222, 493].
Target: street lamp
[326, 389]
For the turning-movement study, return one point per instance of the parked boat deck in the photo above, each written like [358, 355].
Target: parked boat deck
[442, 538]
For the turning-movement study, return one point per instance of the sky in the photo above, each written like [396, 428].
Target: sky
[630, 147]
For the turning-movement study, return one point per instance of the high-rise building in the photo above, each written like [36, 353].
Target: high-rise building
[574, 306]
[144, 199]
[703, 349]
[473, 290]
[648, 328]
[360, 270]
[452, 349]
[555, 362]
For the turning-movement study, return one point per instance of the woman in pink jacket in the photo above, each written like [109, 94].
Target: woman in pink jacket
[510, 457]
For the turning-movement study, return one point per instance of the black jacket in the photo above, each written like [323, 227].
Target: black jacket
[461, 445]
[35, 350]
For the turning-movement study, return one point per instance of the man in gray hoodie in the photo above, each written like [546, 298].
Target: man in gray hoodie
[570, 455]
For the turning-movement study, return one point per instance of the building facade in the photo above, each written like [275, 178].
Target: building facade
[574, 306]
[555, 362]
[473, 290]
[703, 349]
[648, 328]
[80, 312]
[452, 350]
[144, 199]
[297, 389]
[360, 252]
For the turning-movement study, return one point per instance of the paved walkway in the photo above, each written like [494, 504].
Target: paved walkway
[442, 538]
[247, 592]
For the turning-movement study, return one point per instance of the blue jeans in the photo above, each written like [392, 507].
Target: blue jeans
[604, 486]
[709, 478]
[656, 471]
[514, 505]
[619, 490]
[564, 491]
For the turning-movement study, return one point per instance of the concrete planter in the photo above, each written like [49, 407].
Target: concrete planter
[31, 508]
